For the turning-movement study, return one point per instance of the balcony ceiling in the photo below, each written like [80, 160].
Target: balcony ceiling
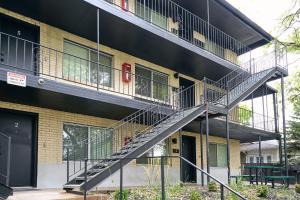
[136, 38]
[229, 19]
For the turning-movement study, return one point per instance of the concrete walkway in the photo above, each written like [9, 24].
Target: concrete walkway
[51, 194]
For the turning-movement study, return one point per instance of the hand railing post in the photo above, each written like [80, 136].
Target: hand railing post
[121, 180]
[85, 177]
[222, 192]
[204, 90]
[162, 173]
[68, 165]
[8, 160]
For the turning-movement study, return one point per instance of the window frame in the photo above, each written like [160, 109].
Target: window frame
[88, 136]
[152, 71]
[101, 53]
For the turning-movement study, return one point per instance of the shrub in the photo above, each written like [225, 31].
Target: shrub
[262, 191]
[297, 188]
[212, 187]
[125, 194]
[195, 195]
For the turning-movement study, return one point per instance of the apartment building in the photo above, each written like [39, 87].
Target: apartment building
[110, 79]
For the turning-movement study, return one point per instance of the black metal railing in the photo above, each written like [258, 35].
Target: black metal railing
[162, 176]
[5, 154]
[252, 119]
[182, 23]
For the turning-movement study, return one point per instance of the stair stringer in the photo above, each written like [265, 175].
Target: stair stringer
[90, 184]
[246, 93]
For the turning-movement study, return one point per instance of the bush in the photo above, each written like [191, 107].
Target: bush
[212, 187]
[297, 188]
[125, 194]
[262, 191]
[195, 195]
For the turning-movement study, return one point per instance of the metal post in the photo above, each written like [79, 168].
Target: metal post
[85, 178]
[275, 113]
[68, 165]
[263, 107]
[222, 191]
[280, 150]
[8, 160]
[201, 152]
[180, 153]
[162, 173]
[208, 21]
[207, 130]
[252, 106]
[259, 150]
[121, 180]
[228, 148]
[284, 126]
[98, 47]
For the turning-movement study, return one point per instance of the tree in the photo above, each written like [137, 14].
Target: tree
[290, 24]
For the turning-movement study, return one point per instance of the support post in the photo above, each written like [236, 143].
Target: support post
[98, 46]
[284, 126]
[121, 180]
[280, 150]
[259, 150]
[68, 165]
[275, 113]
[252, 106]
[207, 129]
[162, 173]
[201, 152]
[263, 107]
[85, 178]
[180, 153]
[228, 148]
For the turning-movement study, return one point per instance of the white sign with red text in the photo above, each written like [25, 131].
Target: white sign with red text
[16, 79]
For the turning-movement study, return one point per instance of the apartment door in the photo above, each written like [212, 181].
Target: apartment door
[188, 172]
[17, 53]
[21, 128]
[188, 96]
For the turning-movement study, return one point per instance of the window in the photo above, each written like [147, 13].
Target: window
[269, 159]
[262, 159]
[218, 155]
[150, 83]
[161, 149]
[80, 65]
[150, 14]
[251, 159]
[99, 141]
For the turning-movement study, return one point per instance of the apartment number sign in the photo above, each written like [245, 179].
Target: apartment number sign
[16, 79]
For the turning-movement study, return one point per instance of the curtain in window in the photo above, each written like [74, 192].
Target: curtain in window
[222, 155]
[213, 155]
[160, 86]
[161, 149]
[75, 62]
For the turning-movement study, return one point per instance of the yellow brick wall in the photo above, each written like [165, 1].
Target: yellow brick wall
[234, 148]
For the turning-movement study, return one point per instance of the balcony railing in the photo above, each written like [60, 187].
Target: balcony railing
[252, 119]
[177, 20]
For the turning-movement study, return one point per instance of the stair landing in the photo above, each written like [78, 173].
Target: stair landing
[52, 194]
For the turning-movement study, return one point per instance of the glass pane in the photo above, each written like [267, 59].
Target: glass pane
[158, 19]
[105, 69]
[73, 135]
[100, 142]
[213, 155]
[142, 11]
[160, 86]
[161, 149]
[75, 62]
[222, 155]
[142, 81]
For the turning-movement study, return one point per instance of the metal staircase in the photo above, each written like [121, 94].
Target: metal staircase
[141, 131]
